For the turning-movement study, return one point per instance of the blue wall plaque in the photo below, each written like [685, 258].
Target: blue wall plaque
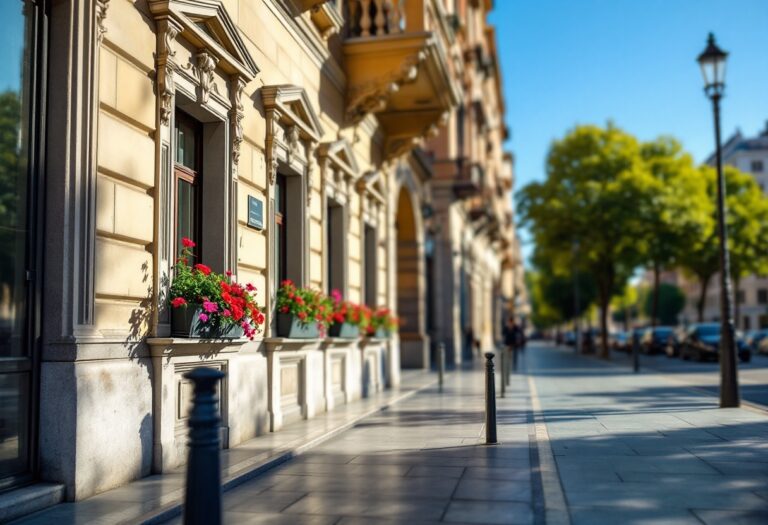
[255, 213]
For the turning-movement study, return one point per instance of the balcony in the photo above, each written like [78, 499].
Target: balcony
[397, 68]
[469, 180]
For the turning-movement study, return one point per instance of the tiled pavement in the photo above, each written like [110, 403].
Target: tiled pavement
[628, 449]
[645, 449]
[420, 461]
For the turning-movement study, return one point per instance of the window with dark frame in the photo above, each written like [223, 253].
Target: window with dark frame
[370, 266]
[281, 223]
[757, 166]
[335, 249]
[762, 296]
[188, 181]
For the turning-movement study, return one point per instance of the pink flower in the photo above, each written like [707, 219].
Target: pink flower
[209, 306]
[226, 313]
[250, 287]
[178, 301]
[187, 242]
[229, 273]
[203, 318]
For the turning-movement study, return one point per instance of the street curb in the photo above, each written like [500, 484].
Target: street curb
[174, 509]
[555, 505]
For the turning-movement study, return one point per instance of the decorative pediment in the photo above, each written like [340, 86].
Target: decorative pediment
[293, 131]
[294, 109]
[339, 154]
[207, 25]
[371, 184]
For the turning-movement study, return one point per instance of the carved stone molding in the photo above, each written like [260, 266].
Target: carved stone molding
[205, 64]
[236, 118]
[374, 95]
[165, 67]
[293, 130]
[101, 15]
[310, 170]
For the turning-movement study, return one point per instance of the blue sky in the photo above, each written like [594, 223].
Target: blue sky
[11, 38]
[568, 62]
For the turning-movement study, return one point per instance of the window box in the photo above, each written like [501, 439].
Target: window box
[344, 330]
[185, 322]
[381, 333]
[291, 327]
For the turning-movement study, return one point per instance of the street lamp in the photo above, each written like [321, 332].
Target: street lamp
[712, 62]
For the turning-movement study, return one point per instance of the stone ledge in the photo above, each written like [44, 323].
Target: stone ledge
[284, 344]
[26, 500]
[184, 346]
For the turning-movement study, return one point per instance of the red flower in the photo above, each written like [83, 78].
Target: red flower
[187, 242]
[178, 301]
[259, 318]
[299, 301]
[302, 315]
[229, 273]
[202, 269]
[284, 309]
[287, 282]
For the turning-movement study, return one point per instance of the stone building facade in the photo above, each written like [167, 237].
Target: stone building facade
[353, 145]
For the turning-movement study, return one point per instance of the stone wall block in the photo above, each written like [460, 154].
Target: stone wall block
[126, 151]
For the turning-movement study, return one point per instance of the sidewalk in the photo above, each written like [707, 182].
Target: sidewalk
[421, 461]
[148, 499]
[646, 449]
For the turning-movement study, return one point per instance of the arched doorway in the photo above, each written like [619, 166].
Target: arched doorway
[411, 285]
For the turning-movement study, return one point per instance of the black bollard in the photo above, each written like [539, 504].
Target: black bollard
[508, 373]
[202, 500]
[441, 364]
[490, 401]
[504, 369]
[635, 352]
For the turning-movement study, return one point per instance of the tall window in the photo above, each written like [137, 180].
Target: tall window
[281, 228]
[335, 233]
[371, 266]
[21, 24]
[757, 166]
[188, 180]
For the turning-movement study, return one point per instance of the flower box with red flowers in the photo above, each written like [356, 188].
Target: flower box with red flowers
[302, 313]
[383, 323]
[209, 305]
[348, 320]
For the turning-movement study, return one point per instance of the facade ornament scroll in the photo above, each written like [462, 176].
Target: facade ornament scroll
[310, 170]
[273, 119]
[292, 141]
[236, 118]
[101, 16]
[165, 67]
[205, 64]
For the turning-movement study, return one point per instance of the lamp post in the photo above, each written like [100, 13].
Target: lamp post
[712, 62]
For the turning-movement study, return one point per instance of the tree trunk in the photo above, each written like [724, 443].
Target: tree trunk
[655, 304]
[605, 300]
[737, 303]
[704, 282]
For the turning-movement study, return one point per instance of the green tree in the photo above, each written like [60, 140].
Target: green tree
[624, 306]
[674, 210]
[667, 303]
[747, 222]
[595, 179]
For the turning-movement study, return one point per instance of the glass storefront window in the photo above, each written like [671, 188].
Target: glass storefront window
[17, 38]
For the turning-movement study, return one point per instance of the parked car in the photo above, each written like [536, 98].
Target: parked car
[702, 341]
[619, 341]
[754, 339]
[654, 340]
[569, 338]
[763, 346]
[674, 341]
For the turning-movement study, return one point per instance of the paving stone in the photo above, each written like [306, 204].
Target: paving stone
[489, 512]
[732, 517]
